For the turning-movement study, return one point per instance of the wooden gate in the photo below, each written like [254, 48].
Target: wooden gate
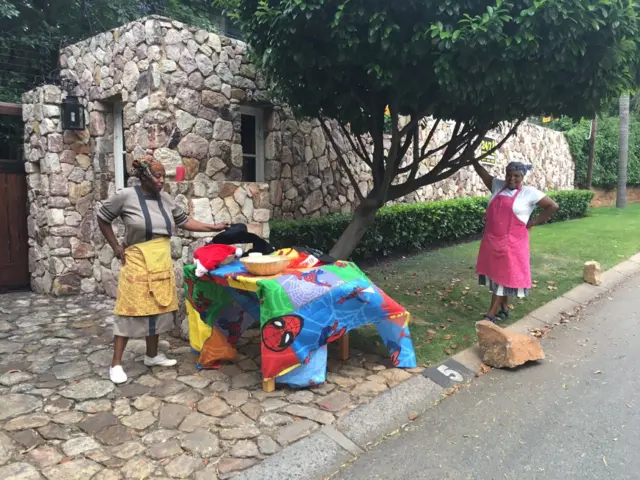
[14, 246]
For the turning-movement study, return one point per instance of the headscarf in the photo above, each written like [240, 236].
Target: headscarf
[141, 167]
[520, 167]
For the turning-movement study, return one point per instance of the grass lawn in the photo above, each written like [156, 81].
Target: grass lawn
[440, 288]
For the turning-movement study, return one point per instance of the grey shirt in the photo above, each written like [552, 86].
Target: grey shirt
[145, 217]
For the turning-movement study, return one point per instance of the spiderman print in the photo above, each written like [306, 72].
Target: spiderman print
[233, 329]
[395, 350]
[279, 333]
[312, 277]
[331, 333]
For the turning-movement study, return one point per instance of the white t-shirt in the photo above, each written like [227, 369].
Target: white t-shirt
[526, 202]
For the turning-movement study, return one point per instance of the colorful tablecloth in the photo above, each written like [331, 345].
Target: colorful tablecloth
[299, 312]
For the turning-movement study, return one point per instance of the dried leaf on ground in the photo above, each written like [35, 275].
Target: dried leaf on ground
[447, 351]
[540, 332]
[484, 369]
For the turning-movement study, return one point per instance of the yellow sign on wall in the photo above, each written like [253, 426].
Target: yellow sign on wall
[546, 119]
[486, 146]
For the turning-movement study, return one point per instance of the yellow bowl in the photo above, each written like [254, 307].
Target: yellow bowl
[265, 266]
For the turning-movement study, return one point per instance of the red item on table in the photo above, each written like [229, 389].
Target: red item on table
[211, 256]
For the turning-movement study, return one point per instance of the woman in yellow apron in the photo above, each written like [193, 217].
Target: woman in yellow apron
[147, 298]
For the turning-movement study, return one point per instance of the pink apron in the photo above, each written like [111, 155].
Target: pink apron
[504, 250]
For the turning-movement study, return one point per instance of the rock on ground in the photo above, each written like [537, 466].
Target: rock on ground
[501, 348]
[592, 273]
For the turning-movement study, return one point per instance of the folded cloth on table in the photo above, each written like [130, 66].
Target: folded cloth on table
[210, 257]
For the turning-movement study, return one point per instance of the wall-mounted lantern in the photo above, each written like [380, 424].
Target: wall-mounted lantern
[72, 114]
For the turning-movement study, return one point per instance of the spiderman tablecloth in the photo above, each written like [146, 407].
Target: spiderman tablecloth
[299, 311]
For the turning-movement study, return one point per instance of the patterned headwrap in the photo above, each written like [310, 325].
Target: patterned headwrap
[141, 167]
[520, 167]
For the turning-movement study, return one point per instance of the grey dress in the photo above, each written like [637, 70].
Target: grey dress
[145, 218]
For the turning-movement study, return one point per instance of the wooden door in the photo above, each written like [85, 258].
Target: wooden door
[14, 241]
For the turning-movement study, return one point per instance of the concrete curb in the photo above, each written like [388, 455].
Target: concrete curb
[323, 453]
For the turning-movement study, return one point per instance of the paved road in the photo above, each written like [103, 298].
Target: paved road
[573, 417]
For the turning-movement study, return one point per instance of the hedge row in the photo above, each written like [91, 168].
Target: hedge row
[410, 227]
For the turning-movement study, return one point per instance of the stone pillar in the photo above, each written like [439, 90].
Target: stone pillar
[60, 183]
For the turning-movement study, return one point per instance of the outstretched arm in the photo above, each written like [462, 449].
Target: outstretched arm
[486, 177]
[194, 225]
[549, 208]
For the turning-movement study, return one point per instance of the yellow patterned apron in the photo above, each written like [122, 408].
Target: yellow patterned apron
[147, 284]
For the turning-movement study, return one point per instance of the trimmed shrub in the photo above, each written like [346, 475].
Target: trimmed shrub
[412, 226]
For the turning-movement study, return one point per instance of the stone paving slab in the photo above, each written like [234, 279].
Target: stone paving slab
[62, 419]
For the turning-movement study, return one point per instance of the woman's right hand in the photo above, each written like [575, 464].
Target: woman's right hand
[119, 251]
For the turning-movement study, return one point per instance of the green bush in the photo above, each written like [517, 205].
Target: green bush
[413, 226]
[605, 165]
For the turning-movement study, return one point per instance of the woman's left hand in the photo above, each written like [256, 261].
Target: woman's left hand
[219, 227]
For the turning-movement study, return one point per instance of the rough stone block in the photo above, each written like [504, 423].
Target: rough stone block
[501, 348]
[592, 273]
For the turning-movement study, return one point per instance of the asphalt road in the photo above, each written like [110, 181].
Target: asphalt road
[574, 416]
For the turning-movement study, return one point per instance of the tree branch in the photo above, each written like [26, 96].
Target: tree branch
[377, 133]
[447, 167]
[405, 147]
[429, 137]
[364, 156]
[364, 149]
[452, 140]
[392, 156]
[341, 159]
[511, 131]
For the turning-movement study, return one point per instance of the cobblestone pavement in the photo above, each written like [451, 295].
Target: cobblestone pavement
[62, 419]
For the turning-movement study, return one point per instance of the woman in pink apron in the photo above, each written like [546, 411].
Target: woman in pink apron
[503, 261]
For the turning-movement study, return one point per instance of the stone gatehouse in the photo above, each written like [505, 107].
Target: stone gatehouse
[190, 97]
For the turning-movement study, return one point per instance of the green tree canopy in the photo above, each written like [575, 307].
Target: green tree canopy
[472, 62]
[33, 31]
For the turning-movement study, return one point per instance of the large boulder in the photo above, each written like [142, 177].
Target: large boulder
[502, 348]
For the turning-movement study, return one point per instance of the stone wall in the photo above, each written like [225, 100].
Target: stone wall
[181, 89]
[182, 92]
[70, 173]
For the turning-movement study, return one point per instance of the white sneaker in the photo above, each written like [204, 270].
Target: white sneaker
[117, 375]
[160, 360]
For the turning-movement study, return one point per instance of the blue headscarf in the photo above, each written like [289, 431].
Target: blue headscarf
[520, 167]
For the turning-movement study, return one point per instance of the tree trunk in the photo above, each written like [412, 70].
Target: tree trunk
[621, 197]
[592, 151]
[363, 218]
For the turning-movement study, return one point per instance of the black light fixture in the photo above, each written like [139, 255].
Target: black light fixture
[72, 114]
